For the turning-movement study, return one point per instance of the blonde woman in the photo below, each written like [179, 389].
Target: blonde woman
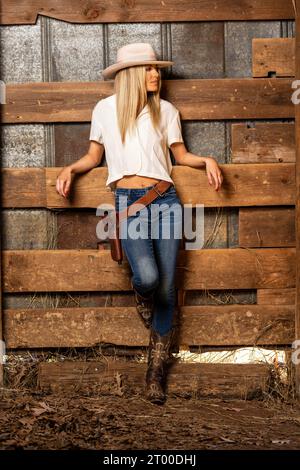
[136, 128]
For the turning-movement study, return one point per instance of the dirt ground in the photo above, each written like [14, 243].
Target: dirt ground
[39, 421]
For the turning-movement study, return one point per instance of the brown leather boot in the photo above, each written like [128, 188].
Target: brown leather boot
[158, 356]
[144, 307]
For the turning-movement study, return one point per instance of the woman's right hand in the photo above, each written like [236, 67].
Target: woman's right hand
[64, 181]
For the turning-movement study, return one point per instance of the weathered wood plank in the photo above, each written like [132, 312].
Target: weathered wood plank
[105, 11]
[276, 296]
[94, 270]
[275, 55]
[23, 187]
[239, 380]
[243, 185]
[297, 193]
[263, 142]
[202, 99]
[209, 325]
[267, 227]
[218, 380]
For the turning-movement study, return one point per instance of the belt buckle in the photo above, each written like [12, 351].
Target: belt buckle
[157, 192]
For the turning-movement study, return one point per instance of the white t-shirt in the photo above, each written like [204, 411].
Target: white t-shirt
[146, 151]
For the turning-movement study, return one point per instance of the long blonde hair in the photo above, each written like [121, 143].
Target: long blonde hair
[132, 97]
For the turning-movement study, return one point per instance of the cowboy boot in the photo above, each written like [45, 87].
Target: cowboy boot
[144, 306]
[158, 357]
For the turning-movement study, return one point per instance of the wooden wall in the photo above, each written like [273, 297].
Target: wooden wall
[251, 255]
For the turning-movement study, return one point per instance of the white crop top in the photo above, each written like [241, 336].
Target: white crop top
[146, 151]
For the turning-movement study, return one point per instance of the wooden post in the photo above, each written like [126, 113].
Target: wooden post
[297, 208]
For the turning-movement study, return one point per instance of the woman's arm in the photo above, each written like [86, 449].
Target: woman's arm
[183, 157]
[91, 159]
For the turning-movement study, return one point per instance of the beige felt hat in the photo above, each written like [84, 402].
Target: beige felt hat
[137, 53]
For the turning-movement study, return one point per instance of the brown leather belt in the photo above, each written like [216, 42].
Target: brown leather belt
[158, 190]
[116, 248]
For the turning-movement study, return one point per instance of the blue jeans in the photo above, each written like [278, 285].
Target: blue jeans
[151, 240]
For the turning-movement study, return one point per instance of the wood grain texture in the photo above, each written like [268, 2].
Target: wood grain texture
[273, 56]
[276, 297]
[267, 227]
[215, 380]
[243, 185]
[94, 270]
[251, 185]
[297, 193]
[120, 11]
[23, 187]
[221, 325]
[202, 99]
[272, 142]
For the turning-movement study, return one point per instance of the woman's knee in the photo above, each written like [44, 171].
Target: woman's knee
[146, 281]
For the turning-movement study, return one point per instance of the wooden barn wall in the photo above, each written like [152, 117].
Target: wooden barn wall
[54, 50]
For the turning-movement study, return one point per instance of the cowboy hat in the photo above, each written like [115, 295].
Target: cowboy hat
[137, 53]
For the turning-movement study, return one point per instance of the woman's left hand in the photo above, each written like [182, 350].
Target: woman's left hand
[213, 172]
